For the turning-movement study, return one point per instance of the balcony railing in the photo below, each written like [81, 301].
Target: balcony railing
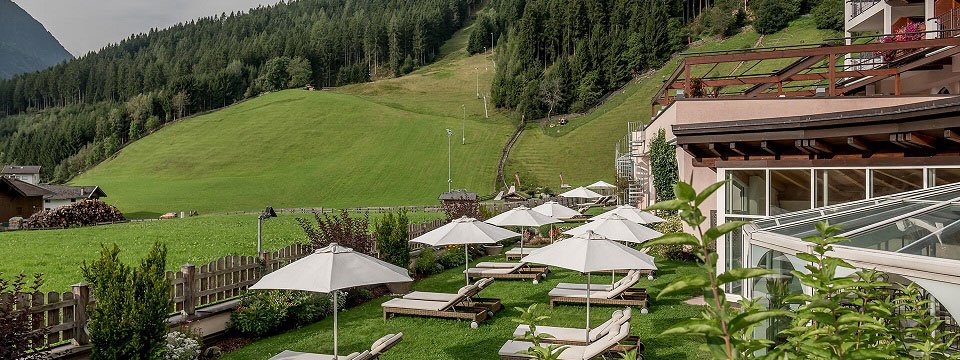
[948, 20]
[860, 6]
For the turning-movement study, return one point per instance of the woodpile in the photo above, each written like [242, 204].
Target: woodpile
[86, 212]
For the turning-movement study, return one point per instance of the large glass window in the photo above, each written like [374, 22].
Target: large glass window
[789, 191]
[892, 181]
[746, 192]
[944, 176]
[903, 233]
[840, 186]
[771, 291]
[733, 256]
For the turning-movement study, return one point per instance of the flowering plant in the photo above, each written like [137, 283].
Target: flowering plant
[912, 31]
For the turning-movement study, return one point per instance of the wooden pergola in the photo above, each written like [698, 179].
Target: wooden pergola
[920, 134]
[838, 70]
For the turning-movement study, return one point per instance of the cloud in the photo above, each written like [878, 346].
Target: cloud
[87, 25]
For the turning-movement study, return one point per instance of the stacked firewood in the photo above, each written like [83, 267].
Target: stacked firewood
[86, 212]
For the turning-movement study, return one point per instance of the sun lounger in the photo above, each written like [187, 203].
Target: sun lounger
[632, 277]
[600, 202]
[378, 348]
[622, 295]
[458, 307]
[469, 291]
[521, 271]
[610, 342]
[516, 253]
[577, 336]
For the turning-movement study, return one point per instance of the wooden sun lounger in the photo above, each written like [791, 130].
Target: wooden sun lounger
[468, 292]
[515, 254]
[629, 297]
[521, 271]
[577, 336]
[614, 341]
[378, 348]
[460, 307]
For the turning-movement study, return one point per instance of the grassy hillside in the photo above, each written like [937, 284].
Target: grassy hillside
[375, 144]
[58, 254]
[583, 150]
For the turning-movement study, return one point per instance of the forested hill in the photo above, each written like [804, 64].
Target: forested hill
[105, 99]
[25, 45]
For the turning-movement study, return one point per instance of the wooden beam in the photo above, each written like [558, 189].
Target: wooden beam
[825, 50]
[792, 70]
[770, 148]
[910, 66]
[770, 80]
[715, 150]
[819, 146]
[832, 74]
[739, 149]
[913, 140]
[951, 135]
[859, 144]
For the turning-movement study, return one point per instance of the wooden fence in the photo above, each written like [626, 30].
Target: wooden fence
[62, 316]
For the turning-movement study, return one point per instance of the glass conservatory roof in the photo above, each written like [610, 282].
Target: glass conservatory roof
[922, 222]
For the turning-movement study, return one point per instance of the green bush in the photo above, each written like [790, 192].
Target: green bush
[391, 232]
[663, 166]
[427, 262]
[130, 317]
[724, 18]
[829, 15]
[452, 258]
[266, 312]
[676, 252]
[774, 15]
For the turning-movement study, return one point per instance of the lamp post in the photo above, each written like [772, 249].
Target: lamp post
[491, 42]
[266, 214]
[449, 161]
[463, 124]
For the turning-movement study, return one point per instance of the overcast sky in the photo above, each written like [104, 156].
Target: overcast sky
[87, 25]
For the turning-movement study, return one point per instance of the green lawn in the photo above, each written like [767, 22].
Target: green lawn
[376, 144]
[426, 338]
[583, 150]
[58, 254]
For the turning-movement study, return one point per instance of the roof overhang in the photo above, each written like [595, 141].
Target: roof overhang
[927, 132]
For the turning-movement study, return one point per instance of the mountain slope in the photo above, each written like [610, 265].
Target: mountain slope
[25, 45]
[382, 143]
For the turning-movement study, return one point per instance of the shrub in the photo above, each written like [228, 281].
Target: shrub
[17, 337]
[130, 319]
[663, 166]
[266, 312]
[774, 15]
[426, 262]
[452, 258]
[339, 228]
[829, 15]
[676, 252]
[181, 346]
[724, 18]
[391, 233]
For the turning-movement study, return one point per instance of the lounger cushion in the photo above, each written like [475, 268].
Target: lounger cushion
[514, 347]
[416, 304]
[488, 271]
[578, 293]
[385, 343]
[293, 355]
[608, 341]
[559, 333]
[576, 286]
[430, 296]
[499, 265]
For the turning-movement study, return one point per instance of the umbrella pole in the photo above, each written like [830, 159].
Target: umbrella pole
[335, 301]
[551, 233]
[466, 263]
[523, 234]
[588, 308]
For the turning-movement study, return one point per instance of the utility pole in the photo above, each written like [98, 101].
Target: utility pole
[491, 42]
[478, 80]
[463, 124]
[449, 161]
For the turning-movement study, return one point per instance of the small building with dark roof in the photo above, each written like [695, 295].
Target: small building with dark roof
[20, 198]
[62, 195]
[29, 174]
[458, 196]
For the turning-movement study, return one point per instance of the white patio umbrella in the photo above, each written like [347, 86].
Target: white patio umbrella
[581, 193]
[465, 231]
[633, 214]
[521, 216]
[329, 270]
[555, 210]
[602, 185]
[588, 253]
[618, 228]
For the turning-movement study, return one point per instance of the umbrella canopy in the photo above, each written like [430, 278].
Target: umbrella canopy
[555, 210]
[590, 252]
[464, 231]
[331, 269]
[522, 216]
[581, 193]
[616, 227]
[633, 214]
[603, 185]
